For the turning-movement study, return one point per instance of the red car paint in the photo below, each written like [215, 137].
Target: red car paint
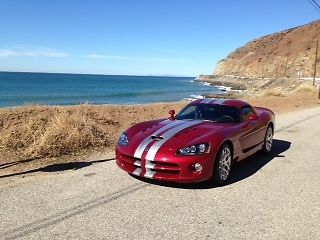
[152, 150]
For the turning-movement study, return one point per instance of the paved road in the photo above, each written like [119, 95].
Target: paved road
[275, 197]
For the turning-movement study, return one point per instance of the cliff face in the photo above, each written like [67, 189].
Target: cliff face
[290, 53]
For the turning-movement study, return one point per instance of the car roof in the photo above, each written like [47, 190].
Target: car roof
[226, 102]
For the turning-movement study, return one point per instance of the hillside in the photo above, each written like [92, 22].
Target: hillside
[289, 54]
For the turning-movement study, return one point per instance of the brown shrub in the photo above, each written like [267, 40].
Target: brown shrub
[306, 88]
[50, 131]
[47, 131]
[277, 92]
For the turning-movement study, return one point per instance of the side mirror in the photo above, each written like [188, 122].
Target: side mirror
[172, 113]
[253, 117]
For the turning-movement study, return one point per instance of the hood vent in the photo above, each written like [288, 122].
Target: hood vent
[156, 138]
[186, 131]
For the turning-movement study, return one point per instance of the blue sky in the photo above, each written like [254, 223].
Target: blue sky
[137, 37]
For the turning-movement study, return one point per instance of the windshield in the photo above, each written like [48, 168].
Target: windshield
[215, 113]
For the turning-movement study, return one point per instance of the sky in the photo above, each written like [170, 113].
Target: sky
[137, 37]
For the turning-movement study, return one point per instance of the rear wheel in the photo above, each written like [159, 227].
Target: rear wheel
[222, 165]
[268, 139]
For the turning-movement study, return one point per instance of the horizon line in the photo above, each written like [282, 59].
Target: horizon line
[100, 74]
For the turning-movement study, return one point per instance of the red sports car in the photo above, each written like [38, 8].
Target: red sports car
[200, 143]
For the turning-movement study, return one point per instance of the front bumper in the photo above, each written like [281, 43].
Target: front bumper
[174, 168]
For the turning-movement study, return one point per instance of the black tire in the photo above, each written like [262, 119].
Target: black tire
[268, 140]
[222, 165]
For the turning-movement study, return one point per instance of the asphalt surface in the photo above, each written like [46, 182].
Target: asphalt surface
[273, 197]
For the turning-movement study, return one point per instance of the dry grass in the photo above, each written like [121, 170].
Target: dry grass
[277, 92]
[306, 88]
[44, 131]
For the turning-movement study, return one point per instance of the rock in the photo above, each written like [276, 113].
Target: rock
[287, 54]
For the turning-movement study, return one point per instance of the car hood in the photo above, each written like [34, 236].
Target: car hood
[170, 135]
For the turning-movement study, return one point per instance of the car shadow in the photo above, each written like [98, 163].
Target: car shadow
[240, 171]
[59, 167]
[11, 164]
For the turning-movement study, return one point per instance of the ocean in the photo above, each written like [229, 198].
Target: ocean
[18, 89]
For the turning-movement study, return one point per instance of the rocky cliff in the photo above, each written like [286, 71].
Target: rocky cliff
[290, 54]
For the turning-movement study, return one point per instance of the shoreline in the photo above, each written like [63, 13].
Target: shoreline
[64, 90]
[256, 86]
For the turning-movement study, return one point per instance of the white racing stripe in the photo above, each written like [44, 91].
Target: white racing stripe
[176, 126]
[149, 165]
[149, 174]
[207, 100]
[137, 172]
[219, 101]
[137, 163]
[139, 151]
[166, 136]
[215, 101]
[149, 169]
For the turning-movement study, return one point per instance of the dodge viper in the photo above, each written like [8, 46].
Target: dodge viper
[201, 142]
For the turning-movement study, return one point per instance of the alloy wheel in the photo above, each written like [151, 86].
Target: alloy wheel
[225, 163]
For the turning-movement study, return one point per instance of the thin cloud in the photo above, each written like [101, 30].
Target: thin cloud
[7, 53]
[183, 52]
[117, 57]
[43, 52]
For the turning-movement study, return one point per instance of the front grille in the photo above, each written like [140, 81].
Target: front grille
[167, 171]
[132, 163]
[162, 167]
[131, 160]
[151, 167]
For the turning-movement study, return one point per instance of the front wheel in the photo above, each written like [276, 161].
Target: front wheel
[222, 165]
[268, 139]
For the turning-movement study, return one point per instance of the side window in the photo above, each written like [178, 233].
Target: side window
[245, 113]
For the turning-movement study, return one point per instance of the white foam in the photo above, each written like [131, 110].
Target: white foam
[206, 83]
[197, 96]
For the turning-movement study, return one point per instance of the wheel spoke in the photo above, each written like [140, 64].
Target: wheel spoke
[269, 139]
[225, 163]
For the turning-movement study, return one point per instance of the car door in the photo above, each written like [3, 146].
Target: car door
[250, 127]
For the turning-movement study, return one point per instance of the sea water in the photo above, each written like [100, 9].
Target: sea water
[69, 89]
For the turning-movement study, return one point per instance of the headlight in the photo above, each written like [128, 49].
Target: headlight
[123, 139]
[194, 149]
